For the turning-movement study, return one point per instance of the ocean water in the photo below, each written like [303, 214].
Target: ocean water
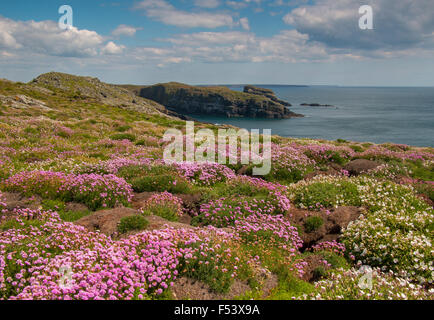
[378, 114]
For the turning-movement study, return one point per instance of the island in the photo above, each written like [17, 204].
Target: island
[316, 105]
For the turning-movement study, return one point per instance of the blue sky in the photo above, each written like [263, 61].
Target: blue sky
[314, 42]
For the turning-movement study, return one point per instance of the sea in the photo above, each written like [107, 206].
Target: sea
[403, 115]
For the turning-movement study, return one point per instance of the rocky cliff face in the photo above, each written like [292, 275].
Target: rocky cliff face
[191, 100]
[266, 93]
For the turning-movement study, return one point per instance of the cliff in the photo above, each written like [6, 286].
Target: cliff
[221, 101]
[266, 93]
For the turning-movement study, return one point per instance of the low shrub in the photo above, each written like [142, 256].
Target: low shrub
[313, 223]
[353, 285]
[204, 174]
[319, 272]
[132, 223]
[123, 129]
[159, 178]
[95, 191]
[225, 212]
[123, 136]
[160, 183]
[327, 153]
[165, 205]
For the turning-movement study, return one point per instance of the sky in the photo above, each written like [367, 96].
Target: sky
[300, 42]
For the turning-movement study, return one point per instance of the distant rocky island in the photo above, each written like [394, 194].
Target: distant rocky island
[217, 101]
[316, 105]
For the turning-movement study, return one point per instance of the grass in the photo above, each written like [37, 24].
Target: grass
[162, 211]
[60, 207]
[313, 223]
[290, 287]
[155, 178]
[327, 195]
[13, 224]
[123, 136]
[286, 176]
[132, 223]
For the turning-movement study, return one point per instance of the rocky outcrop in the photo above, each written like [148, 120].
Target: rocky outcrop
[266, 93]
[23, 102]
[220, 101]
[334, 221]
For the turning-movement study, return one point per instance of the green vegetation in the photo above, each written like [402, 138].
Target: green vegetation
[319, 195]
[123, 136]
[132, 223]
[94, 146]
[313, 223]
[155, 178]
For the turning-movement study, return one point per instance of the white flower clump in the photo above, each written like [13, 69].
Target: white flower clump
[371, 285]
[395, 231]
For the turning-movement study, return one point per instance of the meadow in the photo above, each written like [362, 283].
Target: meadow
[279, 236]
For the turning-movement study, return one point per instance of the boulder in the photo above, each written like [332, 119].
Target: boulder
[358, 166]
[140, 199]
[106, 221]
[17, 201]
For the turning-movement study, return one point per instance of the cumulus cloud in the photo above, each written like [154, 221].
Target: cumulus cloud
[124, 30]
[46, 38]
[112, 48]
[164, 12]
[398, 25]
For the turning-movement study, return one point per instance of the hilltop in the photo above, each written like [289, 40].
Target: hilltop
[92, 89]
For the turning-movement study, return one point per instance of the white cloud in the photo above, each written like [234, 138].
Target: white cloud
[163, 11]
[6, 38]
[235, 46]
[207, 3]
[124, 30]
[245, 23]
[112, 48]
[45, 38]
